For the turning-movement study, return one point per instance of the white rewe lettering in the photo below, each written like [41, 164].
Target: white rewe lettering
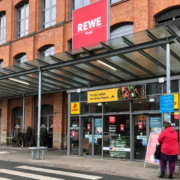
[89, 24]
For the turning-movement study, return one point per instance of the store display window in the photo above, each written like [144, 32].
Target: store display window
[121, 106]
[150, 103]
[116, 136]
[74, 136]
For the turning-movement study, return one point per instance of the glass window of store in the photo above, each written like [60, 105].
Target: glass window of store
[48, 13]
[20, 58]
[22, 19]
[2, 27]
[116, 136]
[46, 51]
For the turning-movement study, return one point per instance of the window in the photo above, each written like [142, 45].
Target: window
[70, 44]
[169, 16]
[2, 28]
[48, 13]
[119, 30]
[114, 1]
[75, 4]
[20, 58]
[46, 51]
[22, 19]
[1, 64]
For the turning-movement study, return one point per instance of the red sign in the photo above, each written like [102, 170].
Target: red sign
[153, 141]
[112, 119]
[88, 126]
[73, 133]
[176, 116]
[140, 125]
[91, 24]
[121, 127]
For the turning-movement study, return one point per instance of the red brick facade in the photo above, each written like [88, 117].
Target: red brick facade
[140, 12]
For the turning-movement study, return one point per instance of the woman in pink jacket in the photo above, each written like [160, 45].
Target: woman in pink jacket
[169, 149]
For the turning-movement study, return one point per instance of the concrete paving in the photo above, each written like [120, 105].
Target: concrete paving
[58, 159]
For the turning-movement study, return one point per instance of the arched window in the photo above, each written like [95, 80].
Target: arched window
[2, 27]
[119, 30]
[22, 22]
[46, 51]
[20, 58]
[48, 13]
[1, 63]
[169, 16]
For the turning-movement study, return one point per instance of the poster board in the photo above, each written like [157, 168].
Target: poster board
[153, 141]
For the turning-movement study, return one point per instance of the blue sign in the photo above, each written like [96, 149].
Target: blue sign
[167, 104]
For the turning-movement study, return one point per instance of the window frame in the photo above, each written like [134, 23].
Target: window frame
[42, 24]
[3, 29]
[20, 57]
[46, 48]
[22, 5]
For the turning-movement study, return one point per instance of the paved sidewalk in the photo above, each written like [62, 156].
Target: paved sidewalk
[54, 158]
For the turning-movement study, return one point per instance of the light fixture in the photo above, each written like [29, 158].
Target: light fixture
[12, 79]
[107, 65]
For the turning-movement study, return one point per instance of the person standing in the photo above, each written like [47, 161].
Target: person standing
[169, 149]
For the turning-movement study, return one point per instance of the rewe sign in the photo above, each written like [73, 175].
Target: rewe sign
[91, 24]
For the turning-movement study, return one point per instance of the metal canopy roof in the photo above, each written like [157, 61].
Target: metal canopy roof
[132, 57]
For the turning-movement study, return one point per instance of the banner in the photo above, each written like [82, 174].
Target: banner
[91, 24]
[153, 141]
[122, 93]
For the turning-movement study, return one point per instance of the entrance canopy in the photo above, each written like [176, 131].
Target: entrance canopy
[132, 57]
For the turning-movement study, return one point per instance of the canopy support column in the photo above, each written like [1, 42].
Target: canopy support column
[168, 78]
[23, 118]
[39, 115]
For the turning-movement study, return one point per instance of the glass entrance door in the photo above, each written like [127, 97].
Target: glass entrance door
[92, 136]
[140, 136]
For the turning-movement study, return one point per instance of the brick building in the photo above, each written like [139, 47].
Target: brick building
[38, 28]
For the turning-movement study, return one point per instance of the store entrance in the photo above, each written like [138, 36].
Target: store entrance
[143, 126]
[92, 136]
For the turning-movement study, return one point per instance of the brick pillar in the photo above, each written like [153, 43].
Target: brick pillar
[57, 120]
[141, 15]
[28, 112]
[4, 120]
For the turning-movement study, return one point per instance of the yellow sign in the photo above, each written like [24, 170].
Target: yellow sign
[102, 95]
[176, 101]
[75, 108]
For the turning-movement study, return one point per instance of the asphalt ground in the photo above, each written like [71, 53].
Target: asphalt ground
[21, 171]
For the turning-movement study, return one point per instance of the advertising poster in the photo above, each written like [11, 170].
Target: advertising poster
[75, 108]
[121, 127]
[155, 124]
[153, 141]
[116, 94]
[98, 126]
[140, 125]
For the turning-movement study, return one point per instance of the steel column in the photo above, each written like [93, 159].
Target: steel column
[68, 125]
[168, 78]
[33, 113]
[23, 118]
[39, 115]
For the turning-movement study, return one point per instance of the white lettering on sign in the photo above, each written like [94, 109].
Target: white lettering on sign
[89, 24]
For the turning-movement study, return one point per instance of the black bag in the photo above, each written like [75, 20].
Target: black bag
[157, 154]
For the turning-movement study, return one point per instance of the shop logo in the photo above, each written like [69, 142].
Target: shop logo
[75, 105]
[73, 133]
[112, 119]
[75, 108]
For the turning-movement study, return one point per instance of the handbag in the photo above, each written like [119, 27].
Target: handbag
[157, 154]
